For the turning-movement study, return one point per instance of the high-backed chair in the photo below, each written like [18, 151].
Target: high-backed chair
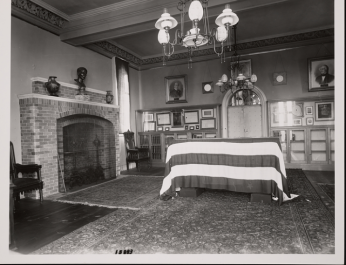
[26, 182]
[135, 154]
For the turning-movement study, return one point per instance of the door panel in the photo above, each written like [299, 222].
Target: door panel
[253, 121]
[235, 122]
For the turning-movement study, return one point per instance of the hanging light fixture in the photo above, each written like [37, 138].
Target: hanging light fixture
[195, 37]
[236, 82]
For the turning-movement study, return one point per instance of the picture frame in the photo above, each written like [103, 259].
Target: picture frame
[149, 126]
[316, 81]
[166, 128]
[310, 121]
[176, 87]
[191, 127]
[159, 128]
[177, 119]
[207, 113]
[186, 127]
[197, 127]
[297, 122]
[148, 116]
[324, 111]
[308, 110]
[208, 123]
[207, 87]
[191, 117]
[163, 118]
[243, 68]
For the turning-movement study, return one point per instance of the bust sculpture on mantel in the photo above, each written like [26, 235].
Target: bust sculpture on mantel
[81, 95]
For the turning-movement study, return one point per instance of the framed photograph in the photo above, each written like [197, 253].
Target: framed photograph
[191, 127]
[191, 117]
[177, 118]
[297, 122]
[321, 73]
[208, 123]
[159, 128]
[148, 116]
[186, 127]
[324, 111]
[176, 87]
[166, 128]
[207, 87]
[244, 68]
[207, 113]
[197, 127]
[310, 121]
[149, 126]
[163, 118]
[308, 110]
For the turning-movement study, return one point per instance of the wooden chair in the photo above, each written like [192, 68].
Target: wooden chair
[20, 185]
[135, 154]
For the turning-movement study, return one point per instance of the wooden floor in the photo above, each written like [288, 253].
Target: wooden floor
[36, 225]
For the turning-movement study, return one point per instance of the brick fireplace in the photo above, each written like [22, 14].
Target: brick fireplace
[48, 123]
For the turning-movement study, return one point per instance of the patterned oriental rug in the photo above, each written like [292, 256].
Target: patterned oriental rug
[329, 190]
[131, 192]
[215, 222]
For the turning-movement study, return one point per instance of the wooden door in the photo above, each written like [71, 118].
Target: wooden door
[244, 121]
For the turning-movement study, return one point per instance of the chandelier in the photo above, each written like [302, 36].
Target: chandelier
[239, 82]
[195, 37]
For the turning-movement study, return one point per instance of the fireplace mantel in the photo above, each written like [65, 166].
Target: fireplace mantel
[34, 95]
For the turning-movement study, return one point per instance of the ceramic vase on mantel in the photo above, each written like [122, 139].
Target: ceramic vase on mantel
[52, 86]
[109, 97]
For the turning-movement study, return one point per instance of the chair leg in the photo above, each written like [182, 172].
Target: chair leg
[41, 195]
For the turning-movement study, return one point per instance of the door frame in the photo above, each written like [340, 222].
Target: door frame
[224, 111]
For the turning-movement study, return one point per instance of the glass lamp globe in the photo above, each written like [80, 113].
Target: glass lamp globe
[196, 10]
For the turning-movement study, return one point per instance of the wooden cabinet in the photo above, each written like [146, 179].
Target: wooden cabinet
[307, 148]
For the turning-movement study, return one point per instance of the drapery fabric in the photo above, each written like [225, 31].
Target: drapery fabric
[243, 167]
[123, 89]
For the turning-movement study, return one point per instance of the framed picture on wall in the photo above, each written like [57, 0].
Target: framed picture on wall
[321, 73]
[297, 122]
[308, 110]
[208, 123]
[176, 87]
[163, 118]
[310, 121]
[207, 113]
[191, 117]
[177, 118]
[324, 111]
[243, 68]
[149, 126]
[148, 116]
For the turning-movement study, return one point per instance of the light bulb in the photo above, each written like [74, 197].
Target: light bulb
[163, 36]
[196, 10]
[224, 78]
[253, 78]
[221, 34]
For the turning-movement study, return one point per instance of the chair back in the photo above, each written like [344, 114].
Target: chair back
[129, 140]
[12, 161]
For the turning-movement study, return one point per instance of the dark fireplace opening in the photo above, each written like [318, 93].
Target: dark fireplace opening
[88, 151]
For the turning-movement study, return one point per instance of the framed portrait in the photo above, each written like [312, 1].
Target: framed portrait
[208, 123]
[207, 113]
[176, 87]
[244, 68]
[191, 127]
[148, 116]
[163, 118]
[321, 73]
[308, 110]
[310, 121]
[177, 119]
[297, 122]
[191, 117]
[324, 111]
[159, 129]
[149, 126]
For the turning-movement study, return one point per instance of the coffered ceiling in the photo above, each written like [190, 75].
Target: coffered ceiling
[125, 28]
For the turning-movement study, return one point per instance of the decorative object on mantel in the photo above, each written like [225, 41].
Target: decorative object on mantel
[52, 86]
[195, 37]
[81, 95]
[109, 97]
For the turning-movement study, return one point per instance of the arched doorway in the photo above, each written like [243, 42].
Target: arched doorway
[238, 112]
